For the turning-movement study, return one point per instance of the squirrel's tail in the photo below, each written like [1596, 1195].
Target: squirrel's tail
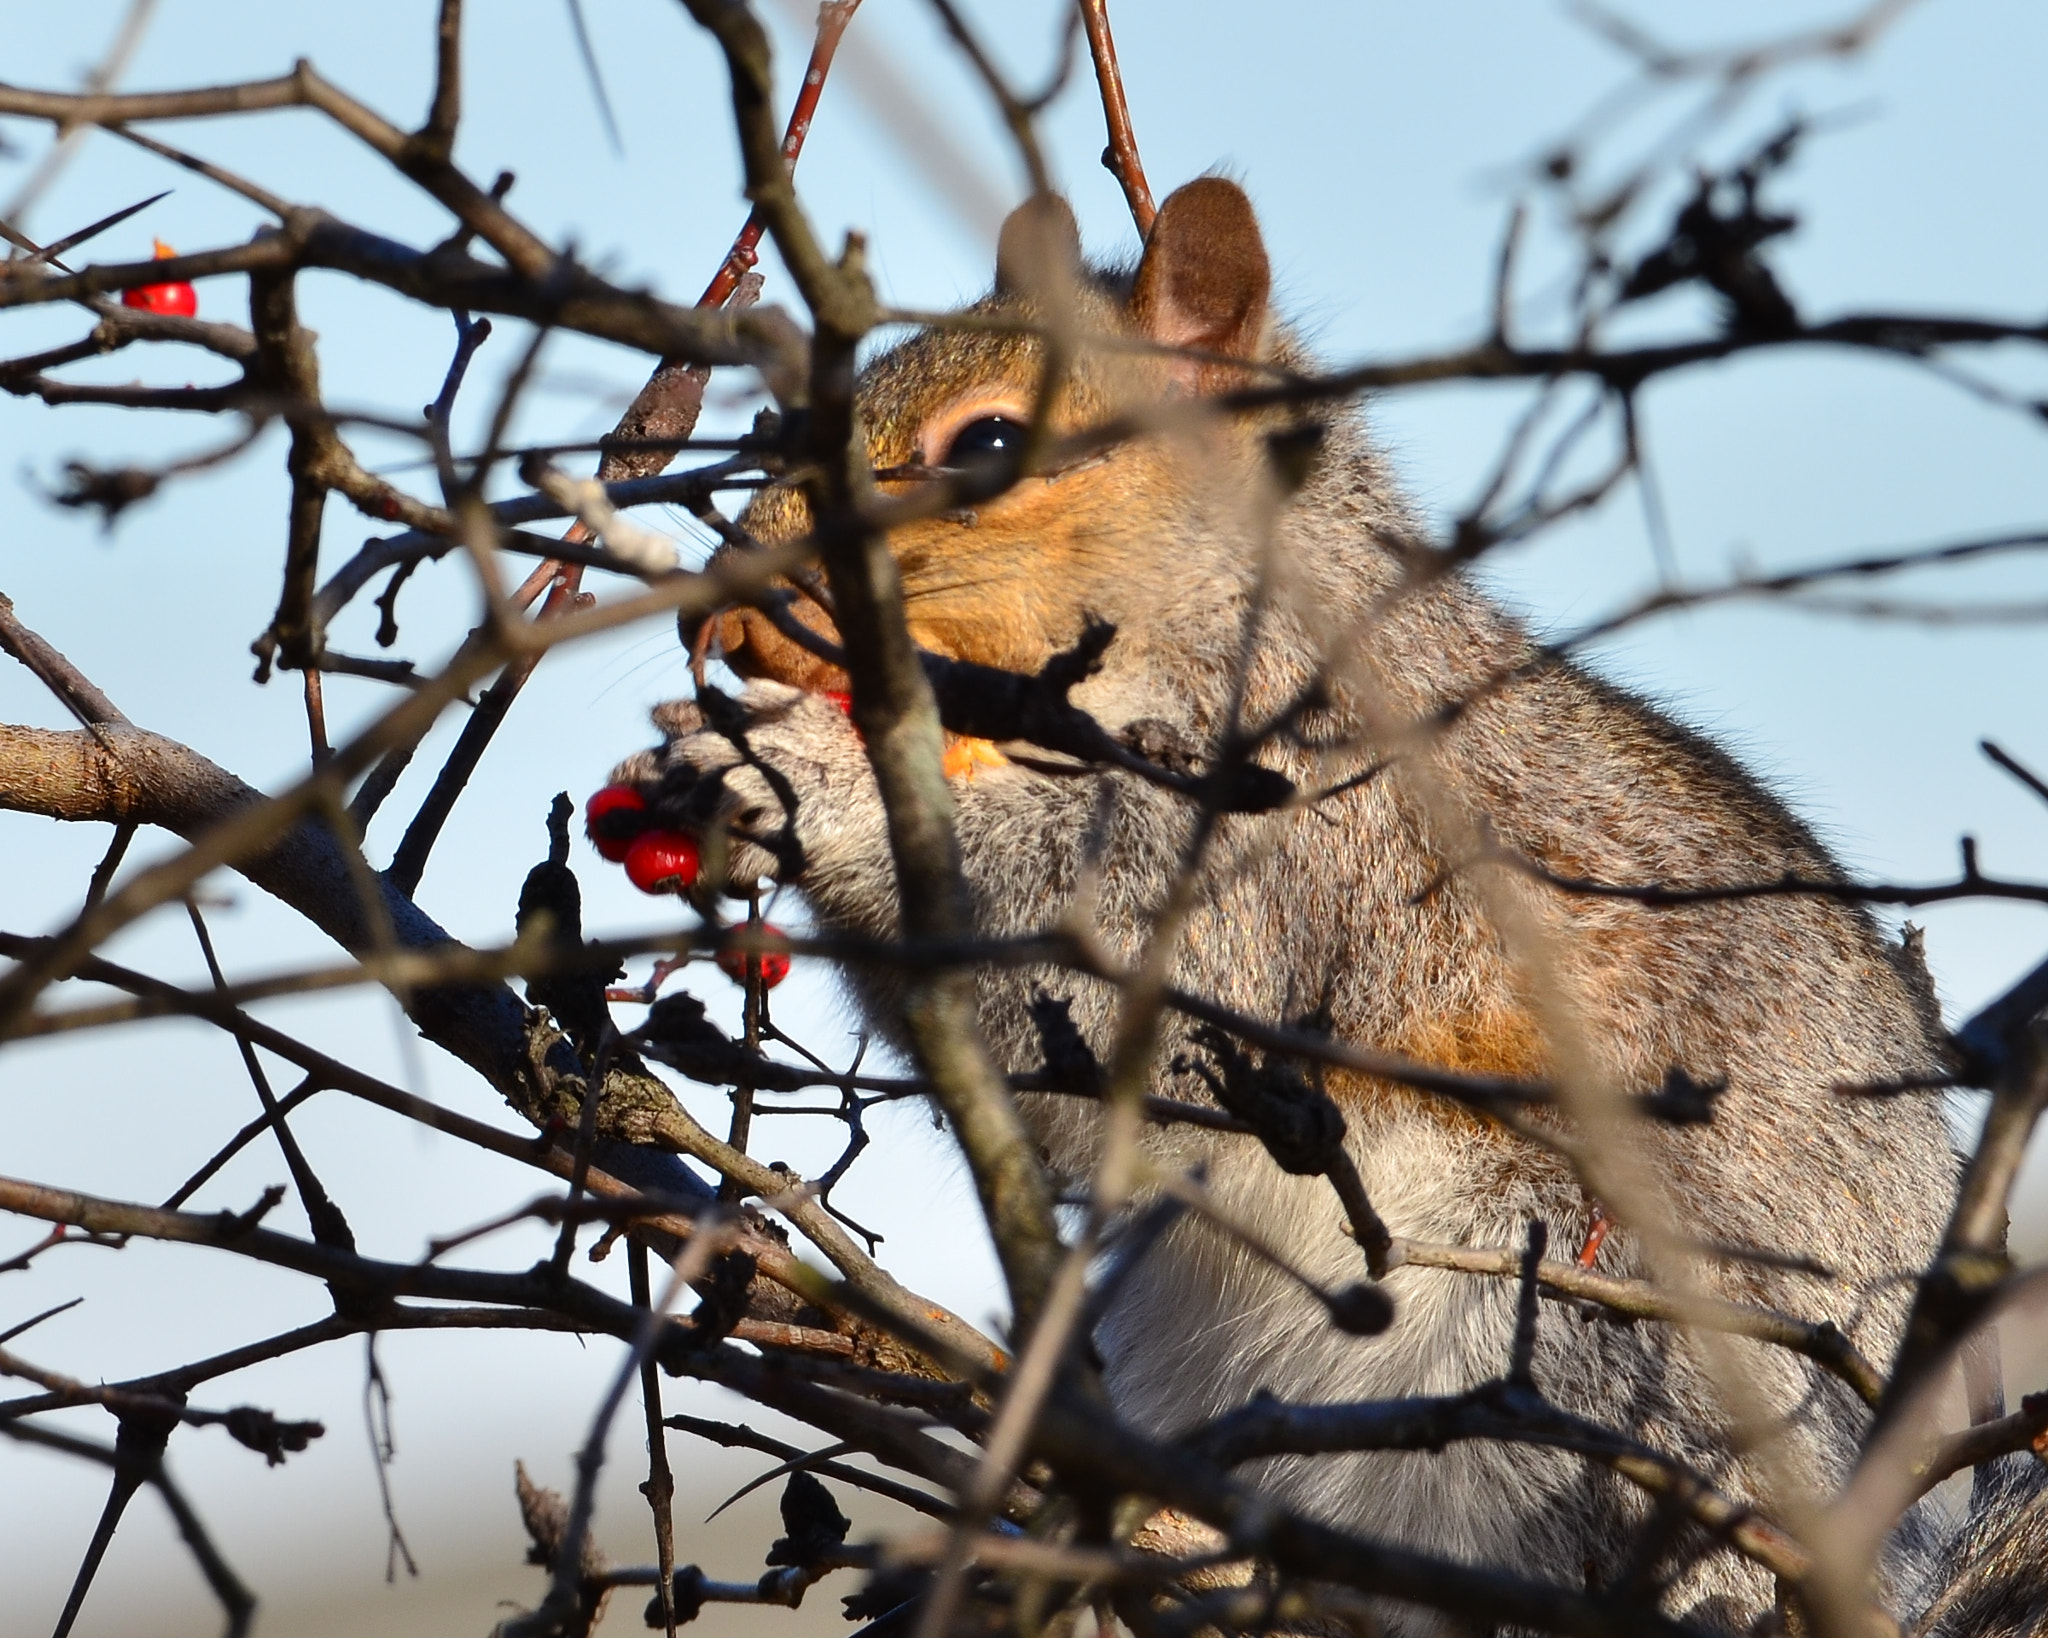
[1993, 1578]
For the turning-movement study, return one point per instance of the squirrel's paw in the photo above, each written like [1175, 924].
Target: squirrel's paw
[772, 780]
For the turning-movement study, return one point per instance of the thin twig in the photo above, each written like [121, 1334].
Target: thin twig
[1120, 157]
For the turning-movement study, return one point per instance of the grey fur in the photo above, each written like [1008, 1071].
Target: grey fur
[1357, 904]
[1993, 1577]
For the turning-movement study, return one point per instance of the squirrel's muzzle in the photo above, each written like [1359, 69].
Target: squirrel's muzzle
[758, 644]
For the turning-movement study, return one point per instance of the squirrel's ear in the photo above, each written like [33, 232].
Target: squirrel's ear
[1204, 278]
[1039, 252]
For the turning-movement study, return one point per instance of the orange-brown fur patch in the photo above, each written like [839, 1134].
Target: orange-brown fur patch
[1500, 1042]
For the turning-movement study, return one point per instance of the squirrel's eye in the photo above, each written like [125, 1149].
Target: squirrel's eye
[992, 435]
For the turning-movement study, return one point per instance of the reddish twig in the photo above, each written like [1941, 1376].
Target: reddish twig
[1120, 158]
[833, 16]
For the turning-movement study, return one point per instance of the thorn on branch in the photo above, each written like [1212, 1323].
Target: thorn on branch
[71, 241]
[34, 1320]
[2012, 765]
[138, 1456]
[812, 1545]
[595, 75]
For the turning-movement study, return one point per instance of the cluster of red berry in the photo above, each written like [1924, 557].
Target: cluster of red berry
[659, 860]
[656, 860]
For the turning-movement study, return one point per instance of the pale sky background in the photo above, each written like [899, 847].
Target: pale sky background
[1381, 143]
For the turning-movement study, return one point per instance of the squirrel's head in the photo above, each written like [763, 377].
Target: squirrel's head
[1148, 531]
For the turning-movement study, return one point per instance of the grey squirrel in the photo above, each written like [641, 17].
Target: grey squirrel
[1442, 743]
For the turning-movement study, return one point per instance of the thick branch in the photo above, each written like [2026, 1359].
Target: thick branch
[142, 778]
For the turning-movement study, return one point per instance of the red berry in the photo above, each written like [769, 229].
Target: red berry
[608, 823]
[178, 299]
[772, 962]
[661, 861]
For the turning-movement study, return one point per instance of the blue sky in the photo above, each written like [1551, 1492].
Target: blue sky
[1381, 142]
